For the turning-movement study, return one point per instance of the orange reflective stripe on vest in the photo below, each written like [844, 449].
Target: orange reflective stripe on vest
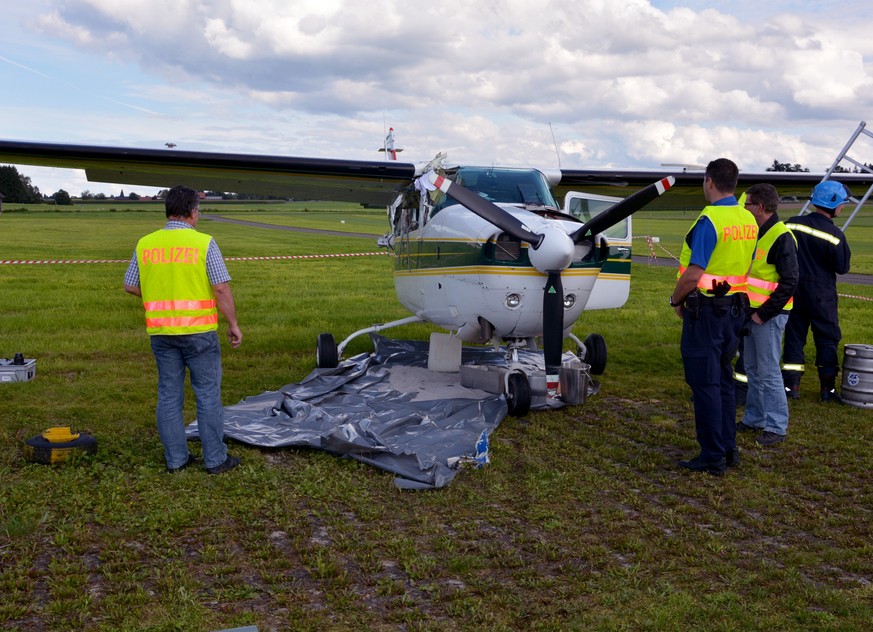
[757, 298]
[166, 306]
[708, 281]
[768, 286]
[182, 321]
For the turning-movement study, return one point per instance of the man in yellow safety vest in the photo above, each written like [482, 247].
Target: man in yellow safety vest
[772, 281]
[710, 297]
[184, 284]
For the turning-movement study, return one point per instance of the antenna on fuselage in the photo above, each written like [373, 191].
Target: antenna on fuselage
[555, 143]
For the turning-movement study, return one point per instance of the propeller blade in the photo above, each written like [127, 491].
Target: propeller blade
[553, 326]
[623, 209]
[486, 210]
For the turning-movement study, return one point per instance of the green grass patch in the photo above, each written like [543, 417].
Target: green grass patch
[581, 521]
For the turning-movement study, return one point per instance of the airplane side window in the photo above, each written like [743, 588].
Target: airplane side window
[579, 209]
[585, 210]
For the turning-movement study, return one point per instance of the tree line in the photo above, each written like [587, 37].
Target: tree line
[786, 166]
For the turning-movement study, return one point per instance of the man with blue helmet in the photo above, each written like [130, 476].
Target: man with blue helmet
[822, 254]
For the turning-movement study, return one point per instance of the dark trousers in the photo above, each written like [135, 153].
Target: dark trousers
[709, 343]
[816, 310]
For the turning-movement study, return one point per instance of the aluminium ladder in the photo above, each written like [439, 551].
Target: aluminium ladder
[843, 155]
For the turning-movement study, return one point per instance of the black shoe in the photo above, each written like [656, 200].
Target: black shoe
[191, 460]
[768, 438]
[229, 463]
[716, 468]
[831, 396]
[741, 427]
[732, 458]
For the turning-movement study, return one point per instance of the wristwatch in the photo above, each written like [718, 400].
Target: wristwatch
[672, 304]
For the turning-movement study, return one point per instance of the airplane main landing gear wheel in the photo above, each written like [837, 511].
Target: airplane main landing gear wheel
[518, 394]
[326, 354]
[595, 353]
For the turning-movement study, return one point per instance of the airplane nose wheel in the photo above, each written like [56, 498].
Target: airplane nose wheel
[593, 353]
[326, 355]
[518, 394]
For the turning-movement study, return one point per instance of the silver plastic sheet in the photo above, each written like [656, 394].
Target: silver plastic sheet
[385, 409]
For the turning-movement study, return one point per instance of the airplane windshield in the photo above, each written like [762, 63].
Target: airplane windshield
[527, 187]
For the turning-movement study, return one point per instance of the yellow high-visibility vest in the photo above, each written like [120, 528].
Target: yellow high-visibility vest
[763, 278]
[736, 235]
[176, 292]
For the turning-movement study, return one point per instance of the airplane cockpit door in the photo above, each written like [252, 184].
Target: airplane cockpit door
[613, 283]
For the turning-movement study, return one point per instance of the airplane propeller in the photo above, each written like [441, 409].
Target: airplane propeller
[551, 250]
[621, 210]
[485, 209]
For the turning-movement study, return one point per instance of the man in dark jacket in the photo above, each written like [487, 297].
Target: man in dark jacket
[772, 280]
[822, 254]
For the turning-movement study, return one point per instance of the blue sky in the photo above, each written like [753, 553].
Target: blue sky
[620, 83]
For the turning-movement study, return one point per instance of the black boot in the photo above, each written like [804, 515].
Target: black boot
[829, 390]
[791, 379]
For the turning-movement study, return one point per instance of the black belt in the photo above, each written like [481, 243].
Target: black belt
[720, 301]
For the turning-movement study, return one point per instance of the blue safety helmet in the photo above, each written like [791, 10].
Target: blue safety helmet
[829, 194]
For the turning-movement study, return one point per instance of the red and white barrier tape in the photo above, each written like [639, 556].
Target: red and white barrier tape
[650, 241]
[290, 257]
[276, 258]
[860, 298]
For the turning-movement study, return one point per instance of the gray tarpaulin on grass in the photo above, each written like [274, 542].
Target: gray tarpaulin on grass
[386, 409]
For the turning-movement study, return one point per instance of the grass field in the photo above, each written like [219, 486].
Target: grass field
[581, 521]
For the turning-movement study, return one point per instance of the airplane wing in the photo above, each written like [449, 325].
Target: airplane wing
[632, 179]
[365, 181]
[372, 182]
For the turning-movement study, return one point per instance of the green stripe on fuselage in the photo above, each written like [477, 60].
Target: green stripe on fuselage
[435, 254]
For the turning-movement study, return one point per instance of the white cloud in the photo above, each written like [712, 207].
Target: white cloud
[623, 82]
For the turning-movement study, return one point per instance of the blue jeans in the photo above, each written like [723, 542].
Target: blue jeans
[201, 355]
[766, 404]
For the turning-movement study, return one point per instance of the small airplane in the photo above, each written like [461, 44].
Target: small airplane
[388, 146]
[170, 145]
[484, 252]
